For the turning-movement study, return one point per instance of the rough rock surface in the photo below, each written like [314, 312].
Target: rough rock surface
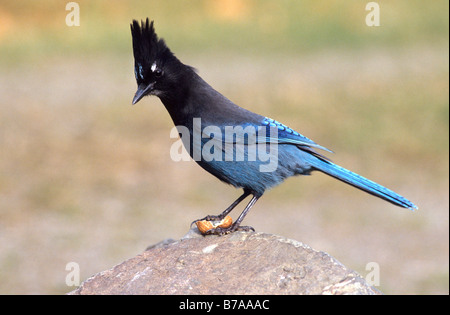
[238, 263]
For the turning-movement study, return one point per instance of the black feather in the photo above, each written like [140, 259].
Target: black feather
[147, 48]
[188, 97]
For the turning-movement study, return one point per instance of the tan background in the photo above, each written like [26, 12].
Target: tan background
[87, 178]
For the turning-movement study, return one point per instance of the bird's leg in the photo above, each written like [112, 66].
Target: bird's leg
[236, 225]
[227, 210]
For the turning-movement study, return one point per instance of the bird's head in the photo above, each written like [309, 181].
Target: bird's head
[155, 67]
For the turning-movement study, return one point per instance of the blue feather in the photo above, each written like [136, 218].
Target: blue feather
[362, 183]
[288, 135]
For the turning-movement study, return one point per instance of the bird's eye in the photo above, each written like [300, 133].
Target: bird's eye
[158, 73]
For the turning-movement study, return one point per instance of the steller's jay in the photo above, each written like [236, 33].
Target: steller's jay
[239, 147]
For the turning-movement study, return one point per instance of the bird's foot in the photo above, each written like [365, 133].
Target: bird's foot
[219, 225]
[209, 218]
[232, 228]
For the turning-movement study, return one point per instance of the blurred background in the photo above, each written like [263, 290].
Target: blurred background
[85, 177]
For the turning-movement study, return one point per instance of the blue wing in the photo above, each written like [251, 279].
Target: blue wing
[288, 135]
[267, 131]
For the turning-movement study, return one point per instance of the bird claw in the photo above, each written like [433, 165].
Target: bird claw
[232, 228]
[219, 229]
[208, 218]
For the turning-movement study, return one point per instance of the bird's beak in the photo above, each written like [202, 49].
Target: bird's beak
[142, 91]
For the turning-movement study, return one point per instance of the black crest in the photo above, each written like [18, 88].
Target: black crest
[147, 47]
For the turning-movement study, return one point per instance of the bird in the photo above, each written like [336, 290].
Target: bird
[249, 151]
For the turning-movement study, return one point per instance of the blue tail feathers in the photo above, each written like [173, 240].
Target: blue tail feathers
[362, 183]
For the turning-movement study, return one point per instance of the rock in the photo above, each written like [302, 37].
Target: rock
[238, 263]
